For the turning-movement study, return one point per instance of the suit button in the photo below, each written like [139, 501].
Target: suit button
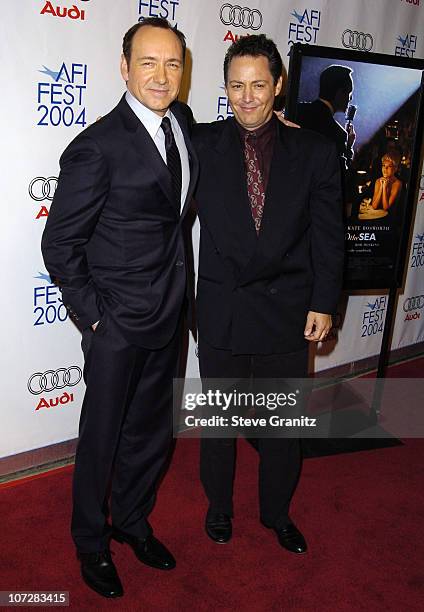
[179, 263]
[273, 290]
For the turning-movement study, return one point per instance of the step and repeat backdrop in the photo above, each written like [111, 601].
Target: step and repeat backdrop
[60, 72]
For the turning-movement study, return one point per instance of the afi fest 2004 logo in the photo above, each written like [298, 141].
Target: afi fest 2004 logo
[223, 108]
[73, 12]
[61, 95]
[373, 317]
[59, 382]
[304, 26]
[406, 45]
[48, 307]
[167, 9]
[417, 251]
[245, 19]
[41, 189]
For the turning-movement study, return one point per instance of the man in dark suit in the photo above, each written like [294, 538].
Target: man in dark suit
[335, 93]
[114, 244]
[270, 267]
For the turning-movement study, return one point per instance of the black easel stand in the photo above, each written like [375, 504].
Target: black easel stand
[317, 447]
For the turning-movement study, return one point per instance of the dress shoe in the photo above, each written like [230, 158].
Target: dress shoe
[99, 573]
[291, 539]
[149, 551]
[218, 527]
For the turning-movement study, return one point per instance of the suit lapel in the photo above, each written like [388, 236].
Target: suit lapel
[151, 157]
[232, 177]
[148, 153]
[277, 217]
[282, 183]
[193, 161]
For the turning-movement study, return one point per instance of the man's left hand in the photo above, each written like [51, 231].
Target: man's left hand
[317, 326]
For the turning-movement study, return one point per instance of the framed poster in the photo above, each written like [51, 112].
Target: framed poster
[371, 106]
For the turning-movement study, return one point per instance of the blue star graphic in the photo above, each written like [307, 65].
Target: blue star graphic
[51, 73]
[298, 17]
[44, 277]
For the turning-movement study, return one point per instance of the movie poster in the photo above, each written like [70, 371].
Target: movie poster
[371, 109]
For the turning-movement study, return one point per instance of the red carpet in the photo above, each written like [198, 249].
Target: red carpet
[362, 514]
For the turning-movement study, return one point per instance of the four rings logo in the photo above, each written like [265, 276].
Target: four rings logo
[41, 188]
[357, 40]
[51, 380]
[413, 303]
[241, 17]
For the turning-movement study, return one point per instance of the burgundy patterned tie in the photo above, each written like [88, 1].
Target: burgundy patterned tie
[255, 184]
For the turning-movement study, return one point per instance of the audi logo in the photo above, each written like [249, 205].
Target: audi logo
[357, 40]
[413, 303]
[51, 379]
[41, 188]
[240, 17]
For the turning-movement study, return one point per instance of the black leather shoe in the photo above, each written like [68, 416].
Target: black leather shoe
[218, 527]
[149, 551]
[291, 539]
[99, 573]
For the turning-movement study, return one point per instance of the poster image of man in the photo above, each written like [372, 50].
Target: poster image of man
[369, 110]
[335, 93]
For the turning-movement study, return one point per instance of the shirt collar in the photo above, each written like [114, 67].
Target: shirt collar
[267, 128]
[148, 118]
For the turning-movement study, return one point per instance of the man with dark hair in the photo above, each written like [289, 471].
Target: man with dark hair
[154, 22]
[335, 93]
[255, 46]
[270, 268]
[114, 244]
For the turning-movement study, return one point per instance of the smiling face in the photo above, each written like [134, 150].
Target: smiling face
[155, 69]
[251, 90]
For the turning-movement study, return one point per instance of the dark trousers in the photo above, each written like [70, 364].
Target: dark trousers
[279, 458]
[125, 434]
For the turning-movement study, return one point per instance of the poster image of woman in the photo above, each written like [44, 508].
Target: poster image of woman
[387, 189]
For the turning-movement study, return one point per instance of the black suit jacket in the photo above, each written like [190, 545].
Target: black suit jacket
[253, 293]
[113, 241]
[318, 117]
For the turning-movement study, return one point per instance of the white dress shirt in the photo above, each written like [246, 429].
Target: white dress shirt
[152, 123]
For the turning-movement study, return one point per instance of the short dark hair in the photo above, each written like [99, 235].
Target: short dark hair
[332, 79]
[255, 45]
[156, 22]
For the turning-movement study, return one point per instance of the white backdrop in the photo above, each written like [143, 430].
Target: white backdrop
[60, 71]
